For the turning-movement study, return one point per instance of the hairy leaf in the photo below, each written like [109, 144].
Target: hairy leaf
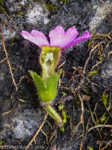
[47, 91]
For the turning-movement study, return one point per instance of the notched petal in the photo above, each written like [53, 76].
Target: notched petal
[58, 36]
[86, 35]
[35, 37]
[70, 35]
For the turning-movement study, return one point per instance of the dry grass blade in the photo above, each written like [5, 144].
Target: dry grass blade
[85, 66]
[33, 139]
[3, 60]
[109, 54]
[7, 112]
[11, 19]
[82, 109]
[99, 126]
[61, 64]
[7, 25]
[45, 135]
[8, 62]
[107, 8]
[96, 65]
[5, 147]
[81, 117]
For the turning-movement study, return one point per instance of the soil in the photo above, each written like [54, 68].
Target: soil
[85, 87]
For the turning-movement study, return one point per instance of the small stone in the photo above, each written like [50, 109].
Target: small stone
[46, 20]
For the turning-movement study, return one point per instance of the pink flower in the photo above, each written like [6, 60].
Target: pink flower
[58, 37]
[51, 51]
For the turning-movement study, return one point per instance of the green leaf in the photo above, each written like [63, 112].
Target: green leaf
[47, 91]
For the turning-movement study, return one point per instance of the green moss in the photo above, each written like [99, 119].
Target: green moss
[61, 106]
[86, 91]
[103, 118]
[20, 91]
[104, 99]
[1, 2]
[12, 40]
[91, 148]
[64, 1]
[92, 73]
[2, 8]
[0, 142]
[20, 12]
[64, 94]
[27, 6]
[50, 7]
[90, 40]
[19, 143]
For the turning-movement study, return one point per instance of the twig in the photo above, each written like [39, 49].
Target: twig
[37, 132]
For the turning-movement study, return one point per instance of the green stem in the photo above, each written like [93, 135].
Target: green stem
[52, 112]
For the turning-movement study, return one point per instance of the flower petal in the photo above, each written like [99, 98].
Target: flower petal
[58, 37]
[35, 37]
[86, 35]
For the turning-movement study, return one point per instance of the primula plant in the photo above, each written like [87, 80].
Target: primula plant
[49, 58]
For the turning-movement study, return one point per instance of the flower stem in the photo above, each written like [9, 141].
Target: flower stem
[52, 112]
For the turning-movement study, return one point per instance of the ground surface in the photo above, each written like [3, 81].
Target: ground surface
[85, 86]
